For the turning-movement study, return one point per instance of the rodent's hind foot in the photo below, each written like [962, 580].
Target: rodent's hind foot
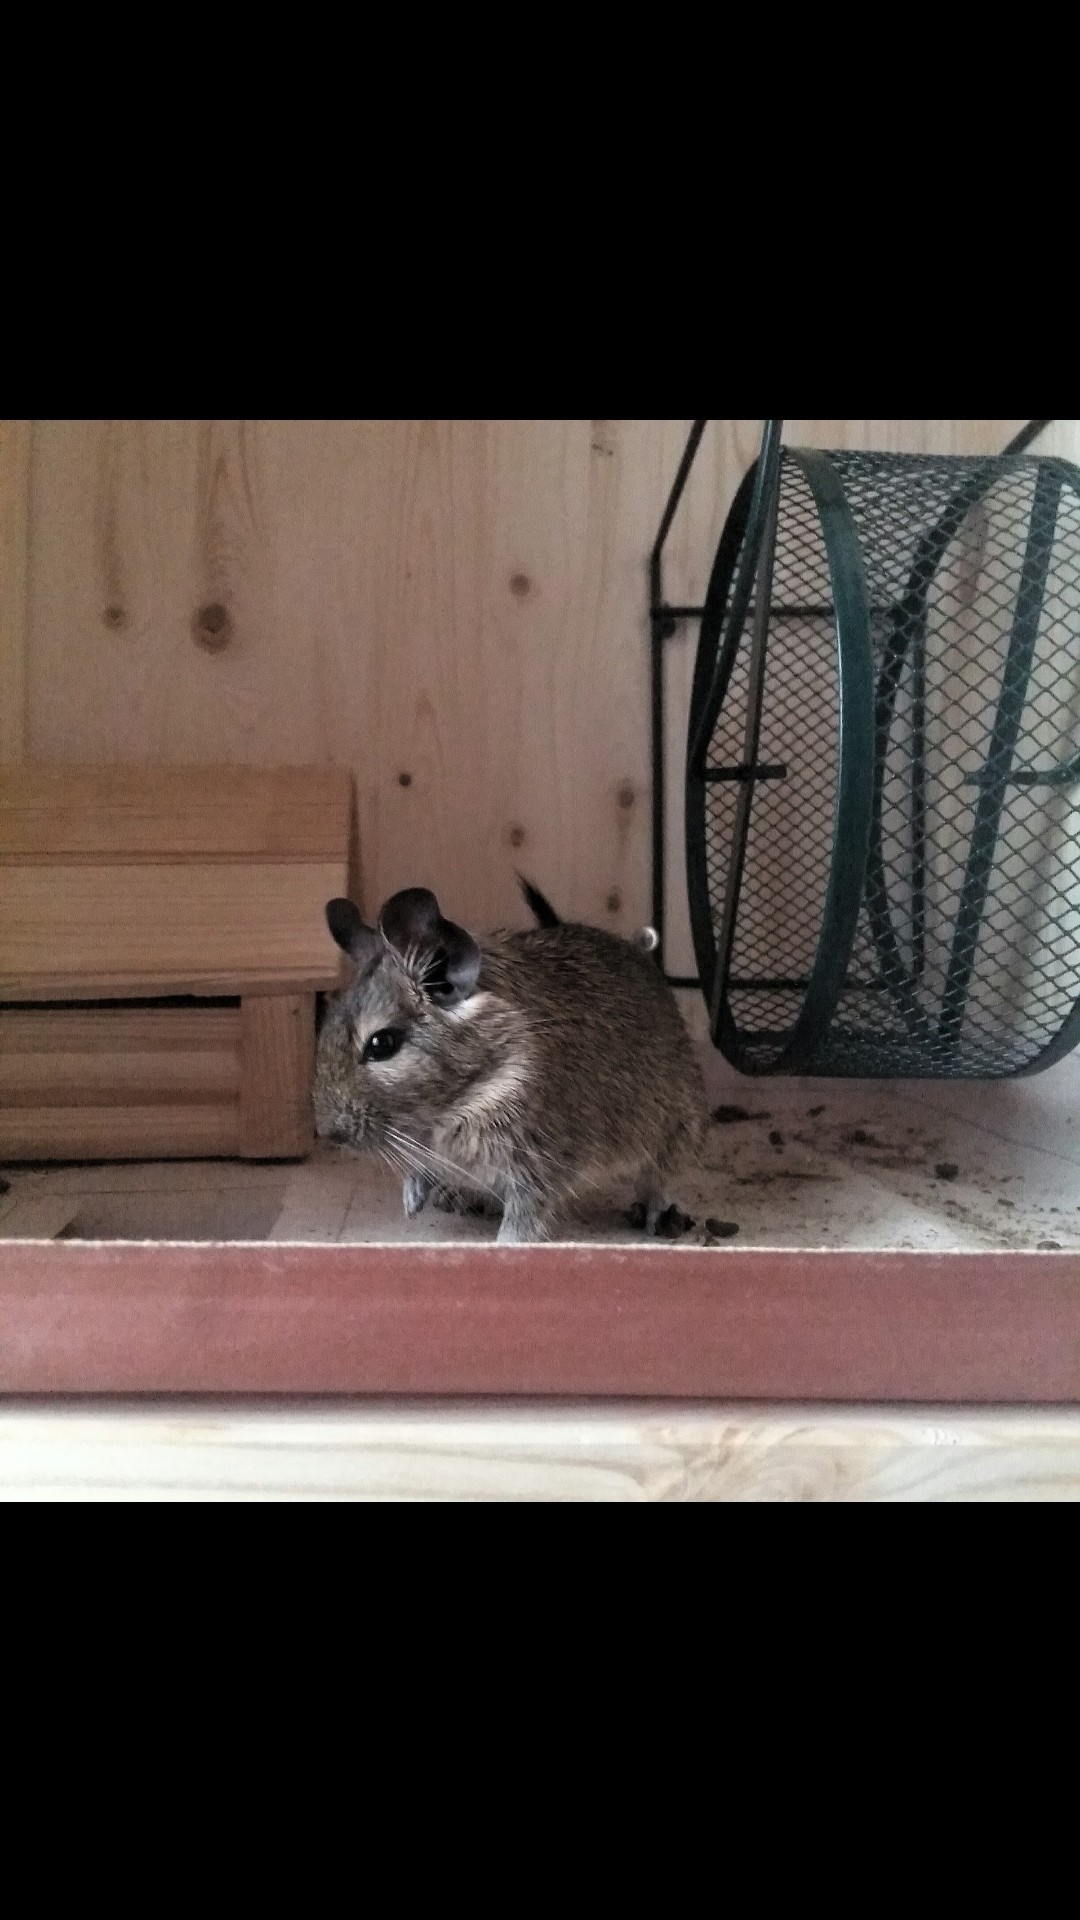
[659, 1217]
[650, 1206]
[671, 1223]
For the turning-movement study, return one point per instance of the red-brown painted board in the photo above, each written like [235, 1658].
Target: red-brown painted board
[550, 1320]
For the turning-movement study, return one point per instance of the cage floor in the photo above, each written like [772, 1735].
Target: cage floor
[789, 1163]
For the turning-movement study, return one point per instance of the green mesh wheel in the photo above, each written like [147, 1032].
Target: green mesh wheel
[883, 769]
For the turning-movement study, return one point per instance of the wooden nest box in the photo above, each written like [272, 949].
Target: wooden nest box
[162, 940]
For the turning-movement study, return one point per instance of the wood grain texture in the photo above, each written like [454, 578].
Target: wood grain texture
[671, 1322]
[50, 813]
[109, 1058]
[214, 1450]
[277, 1054]
[174, 1131]
[463, 601]
[220, 925]
[53, 1079]
[159, 1030]
[456, 610]
[15, 442]
[85, 1085]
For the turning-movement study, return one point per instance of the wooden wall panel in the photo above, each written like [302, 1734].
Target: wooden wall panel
[454, 609]
[14, 585]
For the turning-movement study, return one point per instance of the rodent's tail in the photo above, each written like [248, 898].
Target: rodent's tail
[546, 915]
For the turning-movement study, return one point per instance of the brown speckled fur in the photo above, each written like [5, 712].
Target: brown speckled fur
[566, 1066]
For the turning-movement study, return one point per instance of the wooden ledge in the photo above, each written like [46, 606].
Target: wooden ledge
[561, 1320]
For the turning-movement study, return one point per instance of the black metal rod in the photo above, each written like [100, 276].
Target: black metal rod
[763, 772]
[761, 507]
[711, 678]
[768, 984]
[778, 612]
[659, 618]
[681, 477]
[783, 985]
[658, 789]
[1026, 435]
[1010, 711]
[1065, 775]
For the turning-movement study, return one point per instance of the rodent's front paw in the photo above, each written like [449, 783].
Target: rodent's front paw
[414, 1195]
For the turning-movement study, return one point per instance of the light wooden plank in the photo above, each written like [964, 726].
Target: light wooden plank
[160, 925]
[225, 1451]
[15, 439]
[120, 986]
[59, 813]
[277, 1051]
[115, 1133]
[108, 1078]
[157, 1030]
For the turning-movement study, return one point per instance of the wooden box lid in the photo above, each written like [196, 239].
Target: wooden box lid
[118, 881]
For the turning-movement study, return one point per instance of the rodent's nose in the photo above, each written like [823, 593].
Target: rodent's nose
[337, 1136]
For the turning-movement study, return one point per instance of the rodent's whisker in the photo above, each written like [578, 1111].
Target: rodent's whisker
[406, 1162]
[393, 1161]
[402, 1166]
[427, 1157]
[436, 1170]
[434, 1159]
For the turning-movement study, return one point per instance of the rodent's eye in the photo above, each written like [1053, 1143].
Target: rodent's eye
[384, 1044]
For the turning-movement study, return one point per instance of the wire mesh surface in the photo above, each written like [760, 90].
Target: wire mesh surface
[966, 953]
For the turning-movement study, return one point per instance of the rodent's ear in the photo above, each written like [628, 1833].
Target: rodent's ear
[345, 923]
[442, 957]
